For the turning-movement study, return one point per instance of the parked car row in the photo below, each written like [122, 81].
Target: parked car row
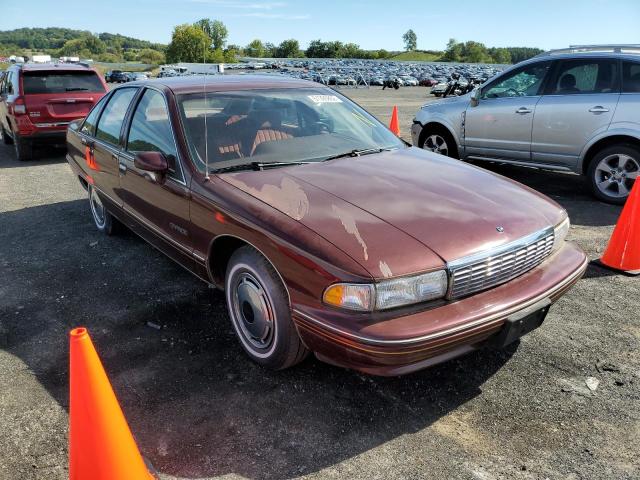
[118, 76]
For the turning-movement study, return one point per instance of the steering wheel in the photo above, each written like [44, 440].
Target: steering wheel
[322, 127]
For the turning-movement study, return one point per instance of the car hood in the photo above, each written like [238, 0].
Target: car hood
[404, 211]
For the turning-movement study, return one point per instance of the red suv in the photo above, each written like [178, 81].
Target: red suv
[37, 102]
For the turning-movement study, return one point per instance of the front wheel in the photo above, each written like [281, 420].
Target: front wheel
[613, 171]
[259, 310]
[438, 140]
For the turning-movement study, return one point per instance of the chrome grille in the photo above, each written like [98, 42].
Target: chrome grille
[488, 269]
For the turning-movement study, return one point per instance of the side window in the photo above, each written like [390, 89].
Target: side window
[525, 82]
[89, 125]
[630, 77]
[586, 76]
[110, 122]
[150, 127]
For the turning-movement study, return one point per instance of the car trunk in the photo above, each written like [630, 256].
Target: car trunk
[58, 97]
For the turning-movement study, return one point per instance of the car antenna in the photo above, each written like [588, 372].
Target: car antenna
[206, 140]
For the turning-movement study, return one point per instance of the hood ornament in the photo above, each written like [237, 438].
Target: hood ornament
[500, 229]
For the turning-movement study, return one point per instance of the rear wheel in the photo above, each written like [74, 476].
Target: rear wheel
[105, 222]
[613, 171]
[259, 310]
[23, 148]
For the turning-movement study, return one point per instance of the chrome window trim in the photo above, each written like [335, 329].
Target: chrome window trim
[409, 341]
[180, 180]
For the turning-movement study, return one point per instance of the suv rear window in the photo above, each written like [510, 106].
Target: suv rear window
[61, 82]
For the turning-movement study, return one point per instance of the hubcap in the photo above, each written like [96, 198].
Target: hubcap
[437, 144]
[252, 311]
[97, 208]
[615, 175]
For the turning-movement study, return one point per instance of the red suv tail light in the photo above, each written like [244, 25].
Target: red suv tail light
[19, 107]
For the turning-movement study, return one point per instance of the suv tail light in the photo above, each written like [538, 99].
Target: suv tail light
[19, 108]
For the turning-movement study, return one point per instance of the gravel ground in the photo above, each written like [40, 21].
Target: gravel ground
[200, 409]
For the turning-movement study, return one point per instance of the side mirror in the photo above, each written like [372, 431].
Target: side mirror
[154, 162]
[475, 97]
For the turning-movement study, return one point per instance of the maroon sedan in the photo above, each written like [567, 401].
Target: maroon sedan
[327, 233]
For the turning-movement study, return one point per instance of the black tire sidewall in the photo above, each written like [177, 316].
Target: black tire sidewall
[285, 335]
[623, 148]
[452, 148]
[23, 148]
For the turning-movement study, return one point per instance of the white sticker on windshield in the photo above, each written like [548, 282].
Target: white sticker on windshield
[319, 99]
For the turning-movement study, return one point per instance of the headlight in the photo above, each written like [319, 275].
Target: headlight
[560, 233]
[388, 294]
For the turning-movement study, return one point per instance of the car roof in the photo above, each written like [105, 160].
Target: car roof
[53, 66]
[221, 83]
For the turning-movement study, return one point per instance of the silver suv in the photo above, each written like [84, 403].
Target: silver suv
[576, 109]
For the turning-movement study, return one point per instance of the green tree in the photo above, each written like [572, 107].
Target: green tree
[148, 55]
[410, 40]
[254, 49]
[288, 49]
[188, 44]
[270, 50]
[215, 30]
[500, 55]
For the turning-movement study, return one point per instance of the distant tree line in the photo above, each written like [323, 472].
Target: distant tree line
[58, 42]
[206, 40]
[476, 52]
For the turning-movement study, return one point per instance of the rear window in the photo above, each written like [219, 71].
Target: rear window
[61, 82]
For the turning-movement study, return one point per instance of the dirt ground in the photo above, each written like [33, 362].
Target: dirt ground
[200, 409]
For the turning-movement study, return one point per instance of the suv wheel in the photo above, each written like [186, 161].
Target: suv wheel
[105, 222]
[613, 171]
[23, 148]
[438, 140]
[259, 310]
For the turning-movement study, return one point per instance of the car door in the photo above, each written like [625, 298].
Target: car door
[579, 102]
[106, 145]
[499, 126]
[160, 202]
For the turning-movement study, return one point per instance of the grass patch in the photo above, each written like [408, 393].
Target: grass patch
[417, 56]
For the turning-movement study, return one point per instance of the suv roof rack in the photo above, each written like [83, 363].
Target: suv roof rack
[610, 48]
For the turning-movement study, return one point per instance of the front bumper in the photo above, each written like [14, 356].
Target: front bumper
[396, 345]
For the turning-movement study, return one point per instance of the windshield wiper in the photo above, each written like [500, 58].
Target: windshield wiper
[75, 89]
[358, 153]
[255, 166]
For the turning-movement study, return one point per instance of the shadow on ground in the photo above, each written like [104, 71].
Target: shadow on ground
[42, 155]
[197, 405]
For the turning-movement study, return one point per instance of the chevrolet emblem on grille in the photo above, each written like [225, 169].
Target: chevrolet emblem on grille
[500, 229]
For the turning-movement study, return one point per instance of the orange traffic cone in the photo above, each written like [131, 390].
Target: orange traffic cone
[101, 446]
[394, 126]
[623, 251]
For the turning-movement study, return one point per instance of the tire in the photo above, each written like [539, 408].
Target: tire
[23, 148]
[612, 172]
[6, 139]
[439, 140]
[259, 309]
[105, 222]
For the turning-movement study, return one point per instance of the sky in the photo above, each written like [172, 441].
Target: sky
[372, 24]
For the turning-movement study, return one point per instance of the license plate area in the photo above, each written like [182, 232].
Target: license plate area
[522, 322]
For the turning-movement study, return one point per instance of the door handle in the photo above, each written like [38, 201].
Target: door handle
[523, 110]
[598, 109]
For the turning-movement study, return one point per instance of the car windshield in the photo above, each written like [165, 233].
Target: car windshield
[279, 126]
[61, 82]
